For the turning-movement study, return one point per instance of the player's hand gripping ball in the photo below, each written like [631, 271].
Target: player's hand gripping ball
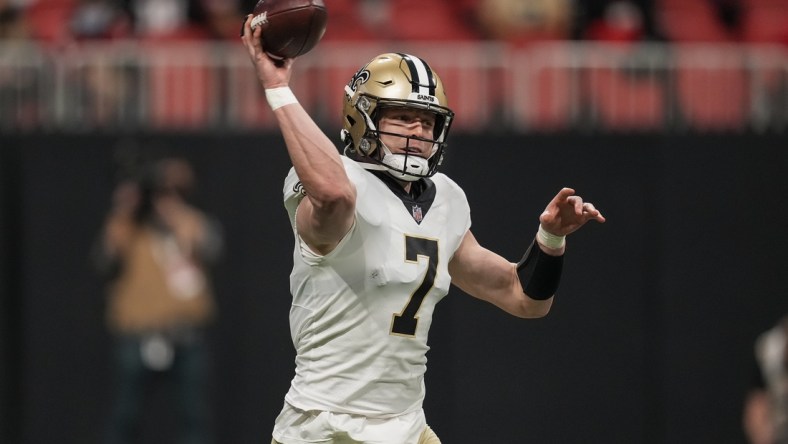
[290, 27]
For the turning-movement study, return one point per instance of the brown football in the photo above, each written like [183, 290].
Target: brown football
[290, 27]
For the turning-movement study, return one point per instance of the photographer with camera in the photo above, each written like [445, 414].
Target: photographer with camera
[156, 249]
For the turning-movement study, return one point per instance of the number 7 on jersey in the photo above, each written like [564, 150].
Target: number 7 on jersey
[405, 322]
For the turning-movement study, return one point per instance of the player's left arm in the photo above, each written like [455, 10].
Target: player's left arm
[525, 289]
[488, 276]
[567, 212]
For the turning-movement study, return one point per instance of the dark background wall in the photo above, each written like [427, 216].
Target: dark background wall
[648, 341]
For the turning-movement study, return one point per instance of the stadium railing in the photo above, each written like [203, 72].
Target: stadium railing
[559, 86]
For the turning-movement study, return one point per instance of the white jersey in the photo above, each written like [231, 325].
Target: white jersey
[361, 314]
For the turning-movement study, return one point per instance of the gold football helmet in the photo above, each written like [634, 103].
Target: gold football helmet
[393, 80]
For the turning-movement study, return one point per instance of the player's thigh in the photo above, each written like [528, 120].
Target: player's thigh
[428, 436]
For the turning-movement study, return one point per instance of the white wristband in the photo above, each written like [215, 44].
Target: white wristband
[279, 97]
[550, 240]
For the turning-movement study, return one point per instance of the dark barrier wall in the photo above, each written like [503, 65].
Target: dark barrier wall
[10, 340]
[648, 341]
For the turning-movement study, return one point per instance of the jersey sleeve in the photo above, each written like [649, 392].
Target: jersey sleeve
[293, 193]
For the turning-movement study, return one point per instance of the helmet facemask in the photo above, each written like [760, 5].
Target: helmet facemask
[392, 81]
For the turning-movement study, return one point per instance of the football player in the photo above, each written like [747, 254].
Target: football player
[379, 236]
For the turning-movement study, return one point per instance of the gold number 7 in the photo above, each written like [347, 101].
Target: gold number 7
[406, 321]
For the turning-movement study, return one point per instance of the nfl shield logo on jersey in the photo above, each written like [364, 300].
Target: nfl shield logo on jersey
[417, 214]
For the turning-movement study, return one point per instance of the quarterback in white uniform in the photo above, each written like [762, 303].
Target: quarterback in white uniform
[379, 236]
[361, 313]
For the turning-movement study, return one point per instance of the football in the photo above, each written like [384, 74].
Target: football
[290, 27]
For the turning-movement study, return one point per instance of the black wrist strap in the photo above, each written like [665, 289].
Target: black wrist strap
[540, 273]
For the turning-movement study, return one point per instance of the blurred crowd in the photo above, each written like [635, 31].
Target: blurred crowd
[104, 89]
[516, 21]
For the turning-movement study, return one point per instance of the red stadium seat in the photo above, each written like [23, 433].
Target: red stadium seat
[765, 21]
[430, 20]
[712, 94]
[624, 101]
[49, 19]
[543, 102]
[347, 22]
[690, 21]
[248, 104]
[180, 88]
[466, 91]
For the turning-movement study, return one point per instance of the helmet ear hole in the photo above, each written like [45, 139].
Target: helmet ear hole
[366, 147]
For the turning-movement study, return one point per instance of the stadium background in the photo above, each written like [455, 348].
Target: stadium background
[649, 340]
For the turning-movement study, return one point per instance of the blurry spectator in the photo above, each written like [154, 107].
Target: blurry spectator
[19, 86]
[156, 249]
[616, 21]
[621, 21]
[106, 86]
[729, 13]
[221, 18]
[166, 19]
[523, 21]
[13, 24]
[100, 19]
[765, 416]
[398, 20]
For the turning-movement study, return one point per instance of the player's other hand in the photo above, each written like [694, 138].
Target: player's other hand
[272, 72]
[567, 212]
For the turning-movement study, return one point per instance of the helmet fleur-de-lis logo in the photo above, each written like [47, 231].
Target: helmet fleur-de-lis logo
[359, 78]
